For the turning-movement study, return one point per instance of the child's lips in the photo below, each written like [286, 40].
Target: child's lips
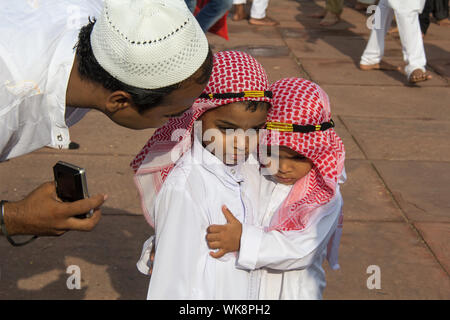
[283, 179]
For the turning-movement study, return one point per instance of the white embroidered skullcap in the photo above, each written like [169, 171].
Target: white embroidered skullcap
[148, 43]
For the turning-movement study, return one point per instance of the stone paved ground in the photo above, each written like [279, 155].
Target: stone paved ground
[397, 203]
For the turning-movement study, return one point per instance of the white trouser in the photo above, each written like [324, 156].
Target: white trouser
[407, 17]
[258, 10]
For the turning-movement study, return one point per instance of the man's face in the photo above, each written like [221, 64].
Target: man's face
[173, 105]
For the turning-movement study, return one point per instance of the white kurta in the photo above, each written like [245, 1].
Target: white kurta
[189, 201]
[288, 264]
[36, 57]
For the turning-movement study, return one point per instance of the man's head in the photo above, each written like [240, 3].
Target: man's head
[152, 62]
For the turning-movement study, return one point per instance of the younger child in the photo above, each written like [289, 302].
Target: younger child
[184, 182]
[300, 209]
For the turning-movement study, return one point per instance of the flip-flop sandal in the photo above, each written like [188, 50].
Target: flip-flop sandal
[418, 76]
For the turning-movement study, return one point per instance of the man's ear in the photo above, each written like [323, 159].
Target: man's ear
[118, 100]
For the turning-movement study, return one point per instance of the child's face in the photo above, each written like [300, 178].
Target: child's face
[230, 131]
[292, 166]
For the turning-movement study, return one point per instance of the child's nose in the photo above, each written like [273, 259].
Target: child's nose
[283, 167]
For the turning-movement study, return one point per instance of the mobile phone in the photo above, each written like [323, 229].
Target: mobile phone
[71, 184]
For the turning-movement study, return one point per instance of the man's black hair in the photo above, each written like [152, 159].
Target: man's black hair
[144, 99]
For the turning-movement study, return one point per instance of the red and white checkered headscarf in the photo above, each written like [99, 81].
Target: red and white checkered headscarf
[301, 102]
[234, 73]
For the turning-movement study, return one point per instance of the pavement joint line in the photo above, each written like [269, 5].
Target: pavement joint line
[353, 137]
[409, 222]
[86, 154]
[390, 85]
[370, 220]
[395, 118]
[362, 116]
[406, 160]
[443, 77]
[293, 56]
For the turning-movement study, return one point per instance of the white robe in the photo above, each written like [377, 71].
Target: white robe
[189, 201]
[269, 265]
[287, 264]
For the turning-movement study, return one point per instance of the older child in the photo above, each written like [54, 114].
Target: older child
[300, 203]
[183, 182]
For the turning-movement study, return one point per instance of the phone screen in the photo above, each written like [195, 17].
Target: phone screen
[69, 182]
[69, 186]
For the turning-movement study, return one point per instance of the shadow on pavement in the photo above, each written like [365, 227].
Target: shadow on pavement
[106, 257]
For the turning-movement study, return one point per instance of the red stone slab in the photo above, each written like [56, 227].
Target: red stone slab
[345, 72]
[419, 187]
[350, 47]
[365, 196]
[437, 236]
[442, 67]
[106, 257]
[408, 269]
[437, 49]
[401, 139]
[278, 68]
[352, 150]
[426, 103]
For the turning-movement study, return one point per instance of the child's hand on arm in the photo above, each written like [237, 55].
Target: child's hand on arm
[227, 237]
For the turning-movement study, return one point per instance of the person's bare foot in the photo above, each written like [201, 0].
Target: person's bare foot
[319, 14]
[443, 22]
[361, 6]
[239, 12]
[382, 65]
[419, 75]
[393, 30]
[266, 21]
[329, 19]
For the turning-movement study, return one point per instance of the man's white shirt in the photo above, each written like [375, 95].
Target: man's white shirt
[36, 56]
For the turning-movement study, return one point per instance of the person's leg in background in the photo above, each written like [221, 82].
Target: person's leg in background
[440, 12]
[374, 51]
[334, 10]
[258, 14]
[412, 43]
[362, 5]
[191, 4]
[239, 10]
[424, 17]
[212, 12]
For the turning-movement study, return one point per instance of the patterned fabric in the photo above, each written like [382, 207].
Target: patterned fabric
[302, 102]
[233, 71]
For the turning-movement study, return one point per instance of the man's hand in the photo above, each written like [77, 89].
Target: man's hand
[42, 213]
[227, 237]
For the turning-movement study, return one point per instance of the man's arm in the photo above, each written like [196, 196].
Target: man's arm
[42, 214]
